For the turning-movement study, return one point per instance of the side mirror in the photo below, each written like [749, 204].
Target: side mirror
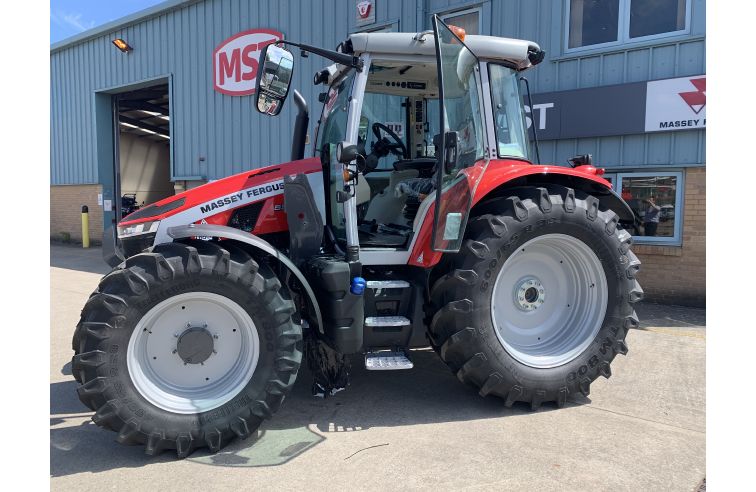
[274, 72]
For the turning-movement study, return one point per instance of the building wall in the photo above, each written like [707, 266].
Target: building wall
[65, 212]
[677, 274]
[231, 136]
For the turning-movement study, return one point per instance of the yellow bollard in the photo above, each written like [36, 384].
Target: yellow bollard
[85, 226]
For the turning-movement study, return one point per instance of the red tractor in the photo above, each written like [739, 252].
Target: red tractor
[419, 220]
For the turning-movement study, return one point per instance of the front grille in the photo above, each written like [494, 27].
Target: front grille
[245, 218]
[153, 210]
[136, 244]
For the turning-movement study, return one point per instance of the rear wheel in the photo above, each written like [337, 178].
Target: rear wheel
[185, 346]
[539, 299]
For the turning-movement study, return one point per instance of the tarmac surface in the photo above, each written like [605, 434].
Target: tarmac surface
[643, 429]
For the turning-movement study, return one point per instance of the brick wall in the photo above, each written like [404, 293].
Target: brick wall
[674, 274]
[65, 211]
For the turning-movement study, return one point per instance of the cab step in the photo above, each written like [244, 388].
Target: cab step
[386, 321]
[387, 361]
[387, 284]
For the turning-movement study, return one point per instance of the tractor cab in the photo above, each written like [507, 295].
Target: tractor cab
[394, 104]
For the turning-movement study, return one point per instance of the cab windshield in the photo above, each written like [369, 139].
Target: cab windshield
[509, 115]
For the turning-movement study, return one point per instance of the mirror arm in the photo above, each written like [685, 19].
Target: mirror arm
[300, 127]
[340, 58]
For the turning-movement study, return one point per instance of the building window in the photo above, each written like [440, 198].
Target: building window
[604, 23]
[650, 17]
[469, 20]
[593, 22]
[655, 197]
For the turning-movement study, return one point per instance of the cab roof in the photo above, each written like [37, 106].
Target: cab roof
[519, 53]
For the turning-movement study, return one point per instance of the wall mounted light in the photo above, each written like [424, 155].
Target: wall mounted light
[122, 45]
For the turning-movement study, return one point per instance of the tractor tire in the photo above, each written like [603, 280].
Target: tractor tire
[539, 299]
[186, 345]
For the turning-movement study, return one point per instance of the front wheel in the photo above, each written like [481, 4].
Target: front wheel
[185, 346]
[539, 299]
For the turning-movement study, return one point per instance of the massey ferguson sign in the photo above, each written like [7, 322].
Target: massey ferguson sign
[235, 61]
[676, 104]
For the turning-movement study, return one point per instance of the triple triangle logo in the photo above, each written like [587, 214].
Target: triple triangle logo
[696, 99]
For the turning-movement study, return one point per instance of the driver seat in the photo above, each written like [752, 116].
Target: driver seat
[386, 207]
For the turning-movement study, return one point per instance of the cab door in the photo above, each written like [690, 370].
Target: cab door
[462, 151]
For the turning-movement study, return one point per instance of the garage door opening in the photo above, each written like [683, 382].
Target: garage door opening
[143, 164]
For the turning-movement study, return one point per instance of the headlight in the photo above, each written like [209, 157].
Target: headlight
[137, 229]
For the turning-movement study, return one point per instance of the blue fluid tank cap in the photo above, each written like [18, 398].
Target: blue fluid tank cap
[358, 286]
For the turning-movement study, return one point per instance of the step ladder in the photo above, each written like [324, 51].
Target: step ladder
[387, 360]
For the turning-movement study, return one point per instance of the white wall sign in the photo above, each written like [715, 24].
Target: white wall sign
[235, 61]
[676, 104]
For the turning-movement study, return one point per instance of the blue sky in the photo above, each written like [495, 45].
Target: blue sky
[70, 17]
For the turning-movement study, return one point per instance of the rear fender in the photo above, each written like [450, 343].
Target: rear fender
[607, 197]
[503, 177]
[255, 242]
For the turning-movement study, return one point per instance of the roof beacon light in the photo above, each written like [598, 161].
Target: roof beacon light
[122, 45]
[458, 31]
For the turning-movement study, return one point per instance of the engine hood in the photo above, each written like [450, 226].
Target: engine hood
[224, 193]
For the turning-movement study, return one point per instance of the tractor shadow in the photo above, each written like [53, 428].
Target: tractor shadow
[429, 393]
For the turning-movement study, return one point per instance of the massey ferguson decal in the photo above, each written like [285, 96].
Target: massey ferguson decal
[235, 61]
[676, 104]
[244, 196]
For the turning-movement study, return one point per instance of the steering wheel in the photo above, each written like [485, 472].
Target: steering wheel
[388, 146]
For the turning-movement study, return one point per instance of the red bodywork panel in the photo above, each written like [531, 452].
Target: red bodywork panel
[498, 172]
[271, 219]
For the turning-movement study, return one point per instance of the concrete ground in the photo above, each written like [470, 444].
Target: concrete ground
[643, 429]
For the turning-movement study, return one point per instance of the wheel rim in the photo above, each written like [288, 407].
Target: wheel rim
[549, 300]
[193, 352]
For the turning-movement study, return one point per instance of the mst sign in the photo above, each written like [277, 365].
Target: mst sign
[235, 61]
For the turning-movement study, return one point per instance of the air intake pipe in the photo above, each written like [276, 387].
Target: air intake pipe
[300, 127]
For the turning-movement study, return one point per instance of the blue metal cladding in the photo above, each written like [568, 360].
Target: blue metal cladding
[543, 21]
[176, 40]
[225, 130]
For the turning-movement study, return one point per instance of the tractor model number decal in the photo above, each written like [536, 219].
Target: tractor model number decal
[242, 196]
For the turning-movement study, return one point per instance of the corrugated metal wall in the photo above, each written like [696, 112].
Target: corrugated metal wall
[232, 136]
[543, 21]
[227, 131]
